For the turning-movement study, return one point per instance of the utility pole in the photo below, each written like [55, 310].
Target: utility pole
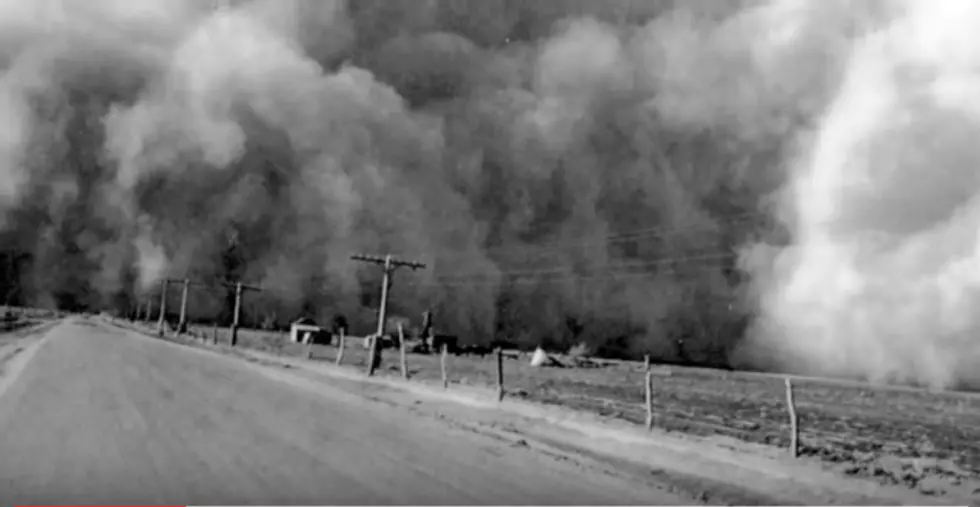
[390, 264]
[162, 321]
[185, 293]
[182, 325]
[186, 284]
[427, 331]
[236, 319]
[149, 308]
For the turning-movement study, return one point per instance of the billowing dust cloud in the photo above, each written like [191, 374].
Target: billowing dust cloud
[778, 184]
[882, 279]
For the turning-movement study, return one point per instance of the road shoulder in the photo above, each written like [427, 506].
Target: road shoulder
[17, 348]
[712, 470]
[708, 470]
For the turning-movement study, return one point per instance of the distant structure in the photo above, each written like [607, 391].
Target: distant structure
[305, 330]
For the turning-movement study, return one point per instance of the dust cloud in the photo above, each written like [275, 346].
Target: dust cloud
[712, 182]
[881, 280]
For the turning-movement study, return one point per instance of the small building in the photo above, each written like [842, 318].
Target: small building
[306, 329]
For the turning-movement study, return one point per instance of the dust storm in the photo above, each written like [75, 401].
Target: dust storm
[783, 185]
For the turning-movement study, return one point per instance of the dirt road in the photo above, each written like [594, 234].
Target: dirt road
[100, 415]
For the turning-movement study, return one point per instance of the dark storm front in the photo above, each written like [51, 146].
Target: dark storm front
[530, 237]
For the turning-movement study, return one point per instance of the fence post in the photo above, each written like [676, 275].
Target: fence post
[442, 366]
[648, 391]
[401, 346]
[162, 320]
[794, 428]
[500, 374]
[340, 347]
[374, 357]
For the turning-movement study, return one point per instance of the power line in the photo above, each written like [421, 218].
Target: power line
[650, 263]
[640, 269]
[552, 280]
[648, 233]
[638, 234]
[609, 271]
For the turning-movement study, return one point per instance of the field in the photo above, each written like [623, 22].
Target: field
[923, 440]
[14, 318]
[21, 312]
[22, 324]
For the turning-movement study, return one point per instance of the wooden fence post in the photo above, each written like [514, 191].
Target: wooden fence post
[404, 354]
[500, 374]
[340, 347]
[442, 366]
[794, 428]
[374, 356]
[648, 391]
[162, 320]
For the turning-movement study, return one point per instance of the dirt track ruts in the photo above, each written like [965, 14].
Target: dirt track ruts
[100, 415]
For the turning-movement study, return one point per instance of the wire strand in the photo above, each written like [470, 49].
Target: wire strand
[610, 272]
[648, 233]
[644, 264]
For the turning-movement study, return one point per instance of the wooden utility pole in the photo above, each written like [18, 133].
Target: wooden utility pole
[182, 324]
[149, 309]
[427, 332]
[237, 317]
[390, 264]
[184, 301]
[162, 320]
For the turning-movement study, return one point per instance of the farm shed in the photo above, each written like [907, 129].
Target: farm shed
[298, 331]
